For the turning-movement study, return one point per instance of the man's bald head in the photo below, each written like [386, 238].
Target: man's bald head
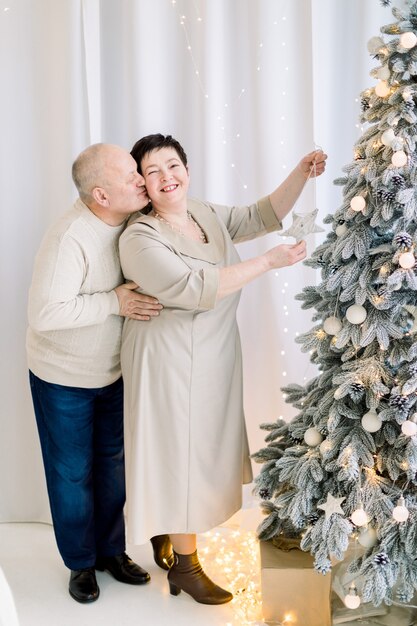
[91, 168]
[108, 182]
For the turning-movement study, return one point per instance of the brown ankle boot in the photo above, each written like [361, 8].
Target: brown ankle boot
[187, 574]
[162, 551]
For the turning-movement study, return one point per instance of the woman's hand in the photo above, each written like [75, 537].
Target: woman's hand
[313, 164]
[285, 254]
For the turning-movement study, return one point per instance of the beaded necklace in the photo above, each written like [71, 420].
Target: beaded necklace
[177, 229]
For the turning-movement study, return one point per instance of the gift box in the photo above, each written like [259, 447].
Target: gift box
[293, 592]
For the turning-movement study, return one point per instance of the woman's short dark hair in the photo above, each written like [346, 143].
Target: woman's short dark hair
[156, 142]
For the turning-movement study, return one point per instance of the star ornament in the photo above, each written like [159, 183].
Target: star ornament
[332, 505]
[303, 224]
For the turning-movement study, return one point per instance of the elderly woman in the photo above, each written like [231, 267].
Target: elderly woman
[186, 445]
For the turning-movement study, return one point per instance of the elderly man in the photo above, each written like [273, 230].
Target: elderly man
[77, 303]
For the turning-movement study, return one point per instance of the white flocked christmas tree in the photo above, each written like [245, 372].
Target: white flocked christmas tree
[345, 468]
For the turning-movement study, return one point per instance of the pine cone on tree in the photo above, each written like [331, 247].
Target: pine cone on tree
[403, 240]
[381, 559]
[398, 181]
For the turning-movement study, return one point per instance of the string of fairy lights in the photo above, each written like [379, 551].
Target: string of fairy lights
[276, 27]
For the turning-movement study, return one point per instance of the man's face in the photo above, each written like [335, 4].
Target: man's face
[125, 187]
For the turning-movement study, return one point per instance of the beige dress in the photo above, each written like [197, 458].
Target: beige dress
[186, 445]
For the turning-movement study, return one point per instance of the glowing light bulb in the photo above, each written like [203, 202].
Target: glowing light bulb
[382, 90]
[352, 600]
[360, 517]
[407, 260]
[358, 203]
[399, 159]
[400, 512]
[408, 40]
[409, 428]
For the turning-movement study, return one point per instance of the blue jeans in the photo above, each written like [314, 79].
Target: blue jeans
[81, 435]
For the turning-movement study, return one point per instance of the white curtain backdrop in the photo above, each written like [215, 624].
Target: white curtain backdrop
[247, 86]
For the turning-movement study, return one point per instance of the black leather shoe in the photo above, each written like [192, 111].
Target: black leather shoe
[83, 585]
[162, 551]
[123, 569]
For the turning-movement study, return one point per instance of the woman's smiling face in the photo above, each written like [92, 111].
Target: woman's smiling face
[166, 177]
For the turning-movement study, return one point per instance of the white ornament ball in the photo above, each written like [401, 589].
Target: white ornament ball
[399, 159]
[358, 203]
[388, 137]
[382, 90]
[368, 537]
[408, 40]
[407, 260]
[332, 325]
[325, 446]
[341, 229]
[375, 44]
[383, 72]
[371, 422]
[409, 428]
[400, 512]
[312, 437]
[356, 314]
[360, 517]
[352, 601]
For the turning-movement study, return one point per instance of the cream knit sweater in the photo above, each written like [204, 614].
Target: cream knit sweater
[74, 329]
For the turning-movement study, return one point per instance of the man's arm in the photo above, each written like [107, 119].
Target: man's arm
[55, 301]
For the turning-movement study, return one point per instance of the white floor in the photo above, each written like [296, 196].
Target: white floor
[38, 581]
[39, 584]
